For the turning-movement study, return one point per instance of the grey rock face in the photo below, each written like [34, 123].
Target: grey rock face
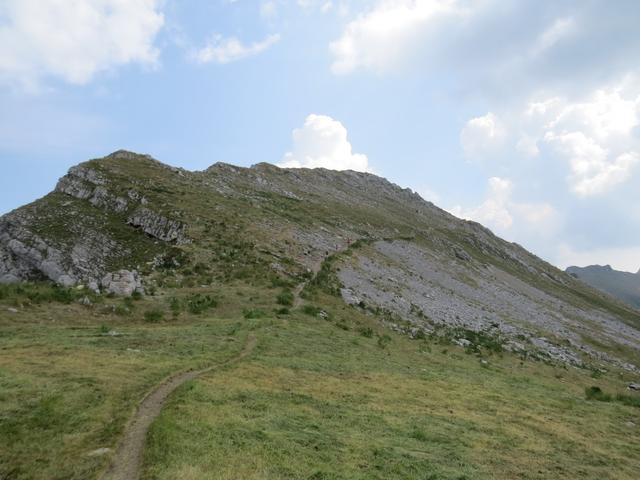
[51, 243]
[158, 226]
[123, 283]
[26, 256]
[431, 289]
[86, 184]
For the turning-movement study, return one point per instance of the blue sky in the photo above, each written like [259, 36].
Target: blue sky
[523, 115]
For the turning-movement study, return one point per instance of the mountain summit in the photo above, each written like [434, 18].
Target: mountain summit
[128, 223]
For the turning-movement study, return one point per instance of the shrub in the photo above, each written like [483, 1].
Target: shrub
[254, 313]
[175, 305]
[596, 393]
[282, 311]
[122, 310]
[419, 435]
[285, 298]
[153, 316]
[200, 268]
[310, 310]
[279, 282]
[420, 335]
[383, 341]
[366, 332]
[62, 295]
[198, 303]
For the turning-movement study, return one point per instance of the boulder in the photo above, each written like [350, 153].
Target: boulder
[123, 283]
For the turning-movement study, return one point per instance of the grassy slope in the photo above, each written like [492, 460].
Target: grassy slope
[318, 399]
[68, 384]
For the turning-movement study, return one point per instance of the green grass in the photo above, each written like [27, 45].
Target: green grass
[71, 375]
[318, 401]
[337, 398]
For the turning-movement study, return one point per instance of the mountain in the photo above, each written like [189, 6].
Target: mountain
[623, 285]
[268, 323]
[128, 223]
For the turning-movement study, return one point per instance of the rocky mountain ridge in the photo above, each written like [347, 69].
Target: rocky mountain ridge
[622, 285]
[128, 222]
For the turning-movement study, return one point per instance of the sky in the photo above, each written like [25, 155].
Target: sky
[523, 115]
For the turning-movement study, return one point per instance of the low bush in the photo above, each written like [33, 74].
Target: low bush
[366, 332]
[198, 303]
[310, 310]
[383, 341]
[153, 316]
[254, 313]
[285, 298]
[596, 393]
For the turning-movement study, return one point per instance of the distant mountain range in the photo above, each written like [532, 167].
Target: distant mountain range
[623, 285]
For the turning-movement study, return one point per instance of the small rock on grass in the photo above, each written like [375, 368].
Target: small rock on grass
[99, 452]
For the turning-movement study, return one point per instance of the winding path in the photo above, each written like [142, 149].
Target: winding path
[126, 463]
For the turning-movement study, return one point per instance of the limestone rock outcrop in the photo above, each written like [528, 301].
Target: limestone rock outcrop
[123, 283]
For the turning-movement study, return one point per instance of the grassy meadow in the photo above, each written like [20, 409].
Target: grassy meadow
[329, 396]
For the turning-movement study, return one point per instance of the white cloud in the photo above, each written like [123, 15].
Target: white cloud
[381, 38]
[227, 50]
[75, 40]
[494, 210]
[594, 135]
[268, 9]
[528, 146]
[322, 142]
[605, 113]
[592, 171]
[501, 212]
[482, 136]
[561, 28]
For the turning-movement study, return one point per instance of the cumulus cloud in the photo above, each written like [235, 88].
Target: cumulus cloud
[592, 171]
[501, 212]
[227, 50]
[322, 142]
[379, 39]
[482, 136]
[75, 40]
[494, 211]
[595, 135]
